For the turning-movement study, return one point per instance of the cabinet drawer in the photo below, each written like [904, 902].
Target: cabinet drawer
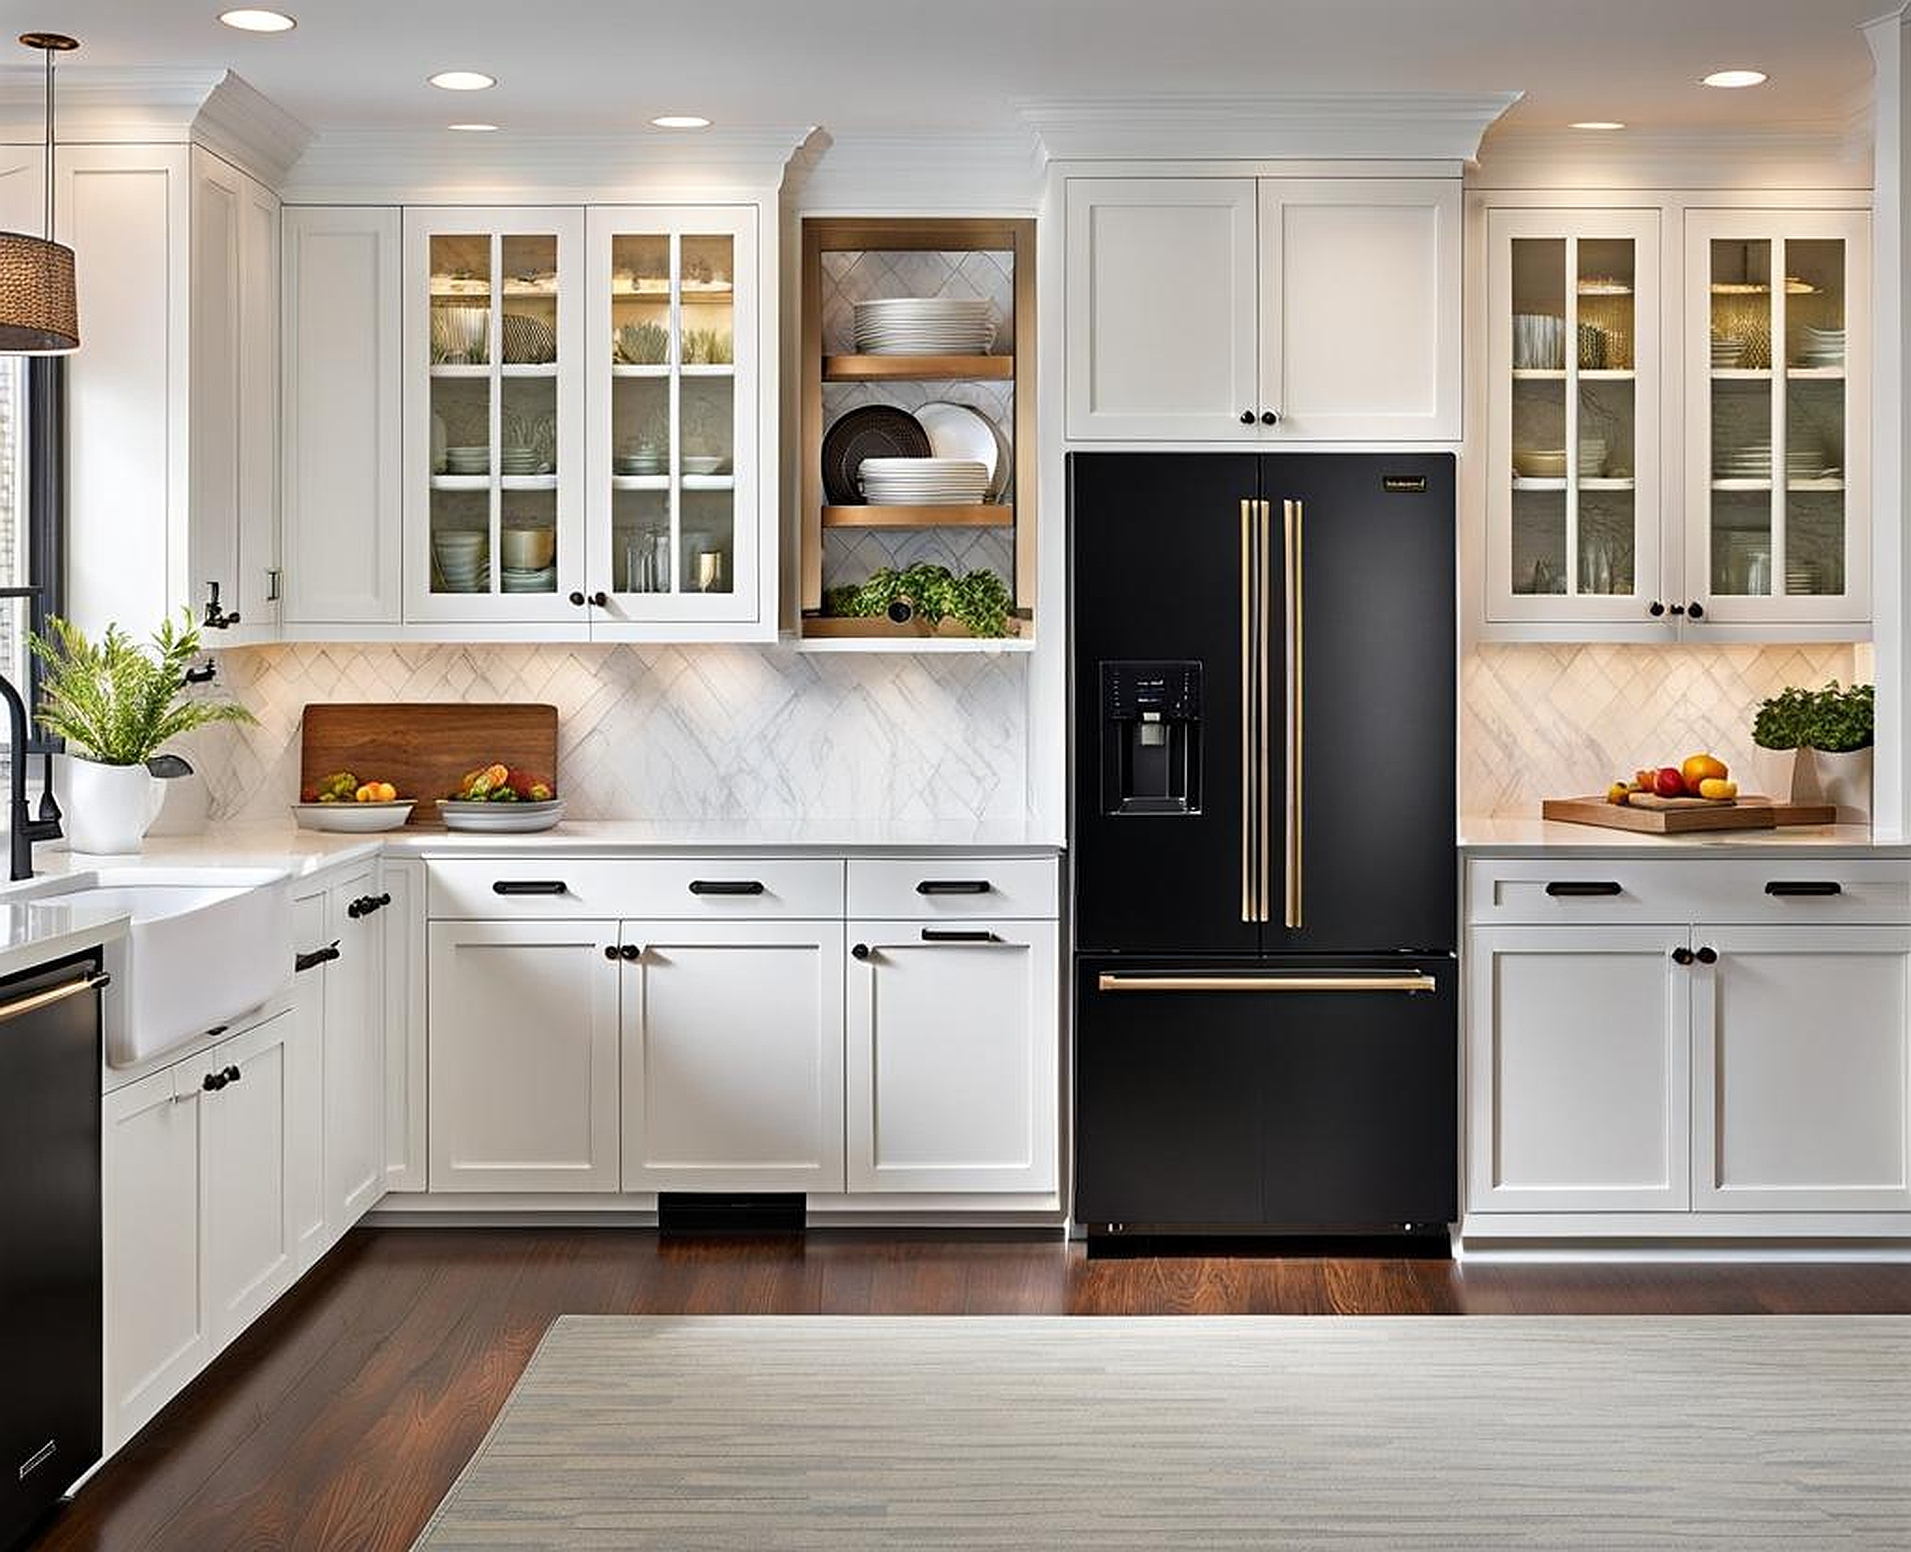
[690, 888]
[1543, 891]
[931, 888]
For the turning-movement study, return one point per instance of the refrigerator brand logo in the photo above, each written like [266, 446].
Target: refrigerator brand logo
[1404, 484]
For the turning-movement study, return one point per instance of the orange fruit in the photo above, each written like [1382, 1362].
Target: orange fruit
[1702, 767]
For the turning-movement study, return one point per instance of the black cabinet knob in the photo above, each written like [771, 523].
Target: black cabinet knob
[1247, 417]
[213, 1082]
[601, 599]
[631, 952]
[1708, 956]
[233, 1075]
[578, 599]
[1682, 956]
[1655, 608]
[860, 951]
[611, 951]
[1270, 417]
[1695, 610]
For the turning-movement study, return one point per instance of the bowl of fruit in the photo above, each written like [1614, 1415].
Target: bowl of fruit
[342, 803]
[502, 800]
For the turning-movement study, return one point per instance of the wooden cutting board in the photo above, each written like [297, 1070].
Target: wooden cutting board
[425, 748]
[1648, 815]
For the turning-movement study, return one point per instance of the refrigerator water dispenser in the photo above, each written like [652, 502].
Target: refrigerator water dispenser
[1151, 737]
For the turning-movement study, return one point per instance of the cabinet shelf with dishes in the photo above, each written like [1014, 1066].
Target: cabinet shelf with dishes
[918, 350]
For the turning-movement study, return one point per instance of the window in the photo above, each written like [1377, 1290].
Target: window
[32, 486]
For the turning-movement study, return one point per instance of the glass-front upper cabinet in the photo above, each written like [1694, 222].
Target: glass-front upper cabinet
[1778, 416]
[673, 532]
[494, 422]
[1572, 472]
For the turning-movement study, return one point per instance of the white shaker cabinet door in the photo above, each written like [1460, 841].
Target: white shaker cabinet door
[1360, 308]
[249, 1244]
[341, 472]
[305, 1125]
[733, 1056]
[1801, 1068]
[1577, 1069]
[952, 1056]
[1161, 282]
[354, 1057]
[155, 1320]
[523, 1056]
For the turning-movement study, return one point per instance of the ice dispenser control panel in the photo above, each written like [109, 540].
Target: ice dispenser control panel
[1151, 737]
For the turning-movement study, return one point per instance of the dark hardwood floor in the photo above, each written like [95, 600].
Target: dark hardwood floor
[340, 1419]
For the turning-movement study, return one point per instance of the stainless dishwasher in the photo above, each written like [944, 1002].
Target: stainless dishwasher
[50, 1281]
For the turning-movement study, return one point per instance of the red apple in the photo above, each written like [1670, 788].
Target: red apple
[1670, 782]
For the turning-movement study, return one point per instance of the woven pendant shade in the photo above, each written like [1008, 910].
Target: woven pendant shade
[39, 310]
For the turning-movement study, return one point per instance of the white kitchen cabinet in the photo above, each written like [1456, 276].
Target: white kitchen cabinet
[1802, 1069]
[733, 1056]
[951, 1056]
[342, 472]
[523, 1041]
[1263, 310]
[305, 1125]
[404, 946]
[152, 1160]
[1578, 1069]
[354, 1059]
[248, 1243]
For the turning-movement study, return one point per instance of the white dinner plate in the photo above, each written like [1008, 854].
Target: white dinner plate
[962, 431]
[500, 818]
[349, 818]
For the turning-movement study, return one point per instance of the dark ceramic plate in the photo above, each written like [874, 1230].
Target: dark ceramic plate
[874, 431]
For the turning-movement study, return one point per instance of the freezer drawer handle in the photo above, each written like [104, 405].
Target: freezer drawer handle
[530, 886]
[1803, 886]
[1266, 983]
[46, 999]
[1579, 888]
[317, 957]
[726, 886]
[954, 886]
[947, 935]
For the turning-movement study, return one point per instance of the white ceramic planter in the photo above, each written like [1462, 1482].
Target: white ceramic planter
[108, 808]
[1774, 774]
[1843, 780]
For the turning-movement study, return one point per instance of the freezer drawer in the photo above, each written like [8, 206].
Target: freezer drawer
[1266, 1094]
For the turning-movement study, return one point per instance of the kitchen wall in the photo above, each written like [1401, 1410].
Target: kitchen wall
[713, 732]
[1560, 721]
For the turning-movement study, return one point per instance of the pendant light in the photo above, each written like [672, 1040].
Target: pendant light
[39, 311]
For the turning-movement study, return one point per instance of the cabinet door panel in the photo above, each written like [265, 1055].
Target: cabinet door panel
[523, 1056]
[1360, 308]
[733, 1057]
[218, 195]
[1577, 1075]
[1161, 308]
[404, 929]
[256, 591]
[354, 1059]
[305, 1123]
[155, 1329]
[951, 1057]
[248, 1245]
[1801, 1068]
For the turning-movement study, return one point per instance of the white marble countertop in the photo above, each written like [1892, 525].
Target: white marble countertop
[1515, 837]
[34, 932]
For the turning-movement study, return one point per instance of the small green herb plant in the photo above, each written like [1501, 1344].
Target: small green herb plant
[1783, 721]
[116, 702]
[1835, 719]
[979, 599]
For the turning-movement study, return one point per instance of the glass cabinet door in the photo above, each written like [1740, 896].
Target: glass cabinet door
[494, 445]
[1777, 413]
[1572, 497]
[673, 511]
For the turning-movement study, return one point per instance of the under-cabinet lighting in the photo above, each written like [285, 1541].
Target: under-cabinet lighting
[1596, 124]
[681, 121]
[258, 21]
[1734, 78]
[462, 80]
[474, 129]
[1794, 286]
[1597, 285]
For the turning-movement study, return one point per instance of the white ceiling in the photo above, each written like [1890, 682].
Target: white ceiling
[590, 66]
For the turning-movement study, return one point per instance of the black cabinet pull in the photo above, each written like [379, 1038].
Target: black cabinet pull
[611, 951]
[577, 600]
[1781, 887]
[1695, 610]
[860, 951]
[1676, 609]
[1655, 608]
[601, 599]
[945, 935]
[1578, 888]
[233, 1075]
[213, 1082]
[1247, 417]
[1682, 955]
[318, 956]
[364, 905]
[954, 886]
[726, 886]
[630, 953]
[1708, 956]
[530, 886]
[1270, 417]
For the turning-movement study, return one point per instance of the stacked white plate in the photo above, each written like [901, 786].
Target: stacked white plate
[1750, 461]
[517, 460]
[463, 560]
[1727, 351]
[1805, 463]
[467, 460]
[1821, 347]
[544, 581]
[925, 326]
[920, 482]
[963, 432]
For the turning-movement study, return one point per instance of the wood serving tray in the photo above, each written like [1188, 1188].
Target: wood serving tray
[1650, 815]
[425, 748]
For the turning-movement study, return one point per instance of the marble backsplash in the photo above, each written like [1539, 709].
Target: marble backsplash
[1558, 721]
[710, 732]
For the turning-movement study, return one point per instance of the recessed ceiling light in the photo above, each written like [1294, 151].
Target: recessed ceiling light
[463, 80]
[1596, 124]
[475, 129]
[258, 21]
[1729, 78]
[681, 121]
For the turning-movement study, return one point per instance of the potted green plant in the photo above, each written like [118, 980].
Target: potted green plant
[117, 704]
[1843, 728]
[1781, 727]
[978, 600]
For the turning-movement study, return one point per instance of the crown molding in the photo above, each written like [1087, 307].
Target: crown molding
[1389, 126]
[245, 126]
[922, 171]
[440, 166]
[1829, 154]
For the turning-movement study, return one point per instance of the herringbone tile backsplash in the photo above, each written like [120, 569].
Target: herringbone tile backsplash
[706, 732]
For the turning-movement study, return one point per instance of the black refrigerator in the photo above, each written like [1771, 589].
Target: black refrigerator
[1262, 754]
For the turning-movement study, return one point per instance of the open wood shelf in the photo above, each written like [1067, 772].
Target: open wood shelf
[996, 515]
[917, 369]
[879, 631]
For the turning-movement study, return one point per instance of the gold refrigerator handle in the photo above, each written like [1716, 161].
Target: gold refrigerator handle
[1250, 902]
[1296, 636]
[1266, 983]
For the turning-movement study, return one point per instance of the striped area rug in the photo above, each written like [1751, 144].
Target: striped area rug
[757, 1434]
